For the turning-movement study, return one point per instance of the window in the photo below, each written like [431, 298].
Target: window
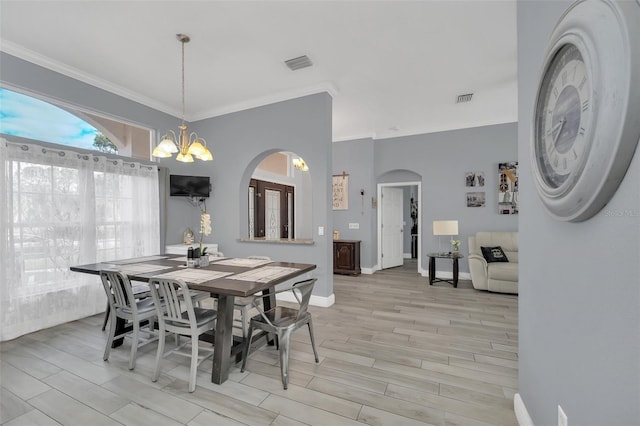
[28, 117]
[58, 209]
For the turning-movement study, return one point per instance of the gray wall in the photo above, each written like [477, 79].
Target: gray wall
[356, 159]
[579, 302]
[441, 160]
[239, 142]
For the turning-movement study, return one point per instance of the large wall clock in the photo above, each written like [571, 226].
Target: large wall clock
[586, 122]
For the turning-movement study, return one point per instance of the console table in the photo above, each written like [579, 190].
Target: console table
[432, 267]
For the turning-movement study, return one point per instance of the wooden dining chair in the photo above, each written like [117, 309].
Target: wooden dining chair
[283, 321]
[124, 304]
[179, 316]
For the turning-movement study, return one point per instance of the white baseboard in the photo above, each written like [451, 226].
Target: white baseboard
[522, 415]
[367, 271]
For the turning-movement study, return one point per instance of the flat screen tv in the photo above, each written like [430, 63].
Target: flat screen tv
[189, 186]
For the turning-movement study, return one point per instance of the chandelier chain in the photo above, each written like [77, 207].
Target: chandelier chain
[183, 41]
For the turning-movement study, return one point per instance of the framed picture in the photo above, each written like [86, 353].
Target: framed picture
[474, 178]
[475, 199]
[508, 188]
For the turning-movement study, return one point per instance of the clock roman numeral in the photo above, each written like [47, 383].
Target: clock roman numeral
[581, 131]
[585, 105]
[564, 78]
[582, 83]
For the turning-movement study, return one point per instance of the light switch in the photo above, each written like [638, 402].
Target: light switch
[354, 226]
[320, 230]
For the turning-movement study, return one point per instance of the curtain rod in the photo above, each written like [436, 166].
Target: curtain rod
[62, 153]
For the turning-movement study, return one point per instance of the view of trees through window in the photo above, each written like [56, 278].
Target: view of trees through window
[104, 144]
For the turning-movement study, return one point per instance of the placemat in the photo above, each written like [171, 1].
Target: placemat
[194, 275]
[264, 274]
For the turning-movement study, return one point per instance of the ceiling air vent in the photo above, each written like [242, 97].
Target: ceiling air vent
[298, 63]
[464, 98]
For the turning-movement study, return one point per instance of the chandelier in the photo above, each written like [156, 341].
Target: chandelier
[188, 145]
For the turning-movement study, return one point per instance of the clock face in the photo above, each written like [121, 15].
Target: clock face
[563, 116]
[585, 125]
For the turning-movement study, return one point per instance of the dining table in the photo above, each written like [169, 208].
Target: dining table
[224, 279]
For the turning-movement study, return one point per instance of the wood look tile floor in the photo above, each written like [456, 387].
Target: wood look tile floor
[393, 351]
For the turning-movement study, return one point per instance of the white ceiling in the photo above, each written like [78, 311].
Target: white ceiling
[393, 68]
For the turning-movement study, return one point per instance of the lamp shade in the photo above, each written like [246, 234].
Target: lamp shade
[445, 227]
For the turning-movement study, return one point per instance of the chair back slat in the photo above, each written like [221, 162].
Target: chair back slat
[118, 289]
[302, 291]
[174, 294]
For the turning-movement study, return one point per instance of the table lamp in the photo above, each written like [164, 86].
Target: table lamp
[444, 227]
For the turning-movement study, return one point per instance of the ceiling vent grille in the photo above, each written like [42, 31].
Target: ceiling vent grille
[464, 98]
[298, 63]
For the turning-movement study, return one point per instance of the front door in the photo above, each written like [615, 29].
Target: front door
[392, 226]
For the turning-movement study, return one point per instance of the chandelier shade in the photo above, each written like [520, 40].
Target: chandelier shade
[187, 145]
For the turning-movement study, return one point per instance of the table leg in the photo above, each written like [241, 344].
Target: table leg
[455, 272]
[432, 269]
[223, 340]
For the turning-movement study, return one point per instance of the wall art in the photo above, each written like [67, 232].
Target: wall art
[476, 199]
[474, 178]
[341, 191]
[508, 188]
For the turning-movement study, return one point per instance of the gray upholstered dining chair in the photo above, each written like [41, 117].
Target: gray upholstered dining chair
[179, 316]
[282, 321]
[124, 304]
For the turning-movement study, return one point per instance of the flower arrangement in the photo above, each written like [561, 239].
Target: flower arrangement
[205, 229]
[456, 245]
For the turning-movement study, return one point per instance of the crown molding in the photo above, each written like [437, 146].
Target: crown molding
[66, 70]
[56, 66]
[325, 86]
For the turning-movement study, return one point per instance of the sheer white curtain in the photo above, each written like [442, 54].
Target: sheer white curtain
[59, 208]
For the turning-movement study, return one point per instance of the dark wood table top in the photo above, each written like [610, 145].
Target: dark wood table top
[225, 285]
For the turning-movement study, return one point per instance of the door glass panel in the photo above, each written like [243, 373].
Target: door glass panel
[272, 210]
[252, 212]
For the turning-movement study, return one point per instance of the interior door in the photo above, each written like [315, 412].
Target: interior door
[392, 226]
[271, 210]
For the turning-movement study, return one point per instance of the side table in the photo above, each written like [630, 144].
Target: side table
[432, 267]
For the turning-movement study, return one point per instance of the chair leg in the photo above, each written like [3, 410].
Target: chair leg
[112, 333]
[313, 340]
[244, 317]
[194, 363]
[284, 338]
[247, 343]
[160, 353]
[107, 311]
[134, 345]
